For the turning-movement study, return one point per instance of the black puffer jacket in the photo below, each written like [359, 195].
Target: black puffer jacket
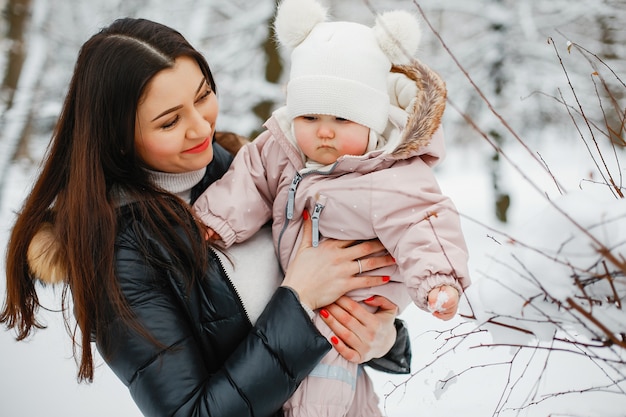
[211, 361]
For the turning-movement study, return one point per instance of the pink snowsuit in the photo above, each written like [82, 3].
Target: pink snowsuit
[390, 193]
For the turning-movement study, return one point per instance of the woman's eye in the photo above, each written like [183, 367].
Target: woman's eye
[170, 124]
[204, 95]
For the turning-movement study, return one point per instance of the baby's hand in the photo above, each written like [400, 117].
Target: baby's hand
[212, 235]
[443, 302]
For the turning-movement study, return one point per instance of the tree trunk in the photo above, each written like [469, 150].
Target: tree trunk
[17, 13]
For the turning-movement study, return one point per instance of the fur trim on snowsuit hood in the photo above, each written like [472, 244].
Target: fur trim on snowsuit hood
[425, 108]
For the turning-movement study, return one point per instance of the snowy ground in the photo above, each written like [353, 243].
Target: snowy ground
[38, 377]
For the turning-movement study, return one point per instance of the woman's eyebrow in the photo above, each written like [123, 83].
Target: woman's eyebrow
[179, 106]
[200, 86]
[166, 112]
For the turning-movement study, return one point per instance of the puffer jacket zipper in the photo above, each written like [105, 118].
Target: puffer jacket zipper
[231, 285]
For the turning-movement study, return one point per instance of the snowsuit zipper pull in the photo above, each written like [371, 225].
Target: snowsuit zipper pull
[292, 195]
[315, 218]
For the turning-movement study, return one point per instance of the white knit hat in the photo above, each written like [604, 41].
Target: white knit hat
[341, 68]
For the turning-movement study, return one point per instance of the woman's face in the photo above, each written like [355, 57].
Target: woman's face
[176, 119]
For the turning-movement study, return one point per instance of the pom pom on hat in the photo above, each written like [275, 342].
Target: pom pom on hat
[295, 19]
[397, 32]
[341, 68]
[398, 35]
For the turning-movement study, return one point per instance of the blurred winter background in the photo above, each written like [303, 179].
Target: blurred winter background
[535, 135]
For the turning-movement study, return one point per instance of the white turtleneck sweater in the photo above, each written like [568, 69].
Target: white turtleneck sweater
[179, 184]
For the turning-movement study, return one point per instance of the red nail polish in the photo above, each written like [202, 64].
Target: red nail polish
[324, 313]
[386, 278]
[334, 340]
[369, 299]
[305, 215]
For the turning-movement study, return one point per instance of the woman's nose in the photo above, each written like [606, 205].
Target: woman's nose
[199, 127]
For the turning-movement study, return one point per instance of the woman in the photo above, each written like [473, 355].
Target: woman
[109, 218]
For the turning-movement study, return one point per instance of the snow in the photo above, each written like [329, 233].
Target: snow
[526, 353]
[442, 298]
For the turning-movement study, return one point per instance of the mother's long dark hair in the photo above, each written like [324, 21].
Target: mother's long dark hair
[91, 162]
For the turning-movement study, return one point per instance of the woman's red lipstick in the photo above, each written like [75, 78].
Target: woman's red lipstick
[201, 147]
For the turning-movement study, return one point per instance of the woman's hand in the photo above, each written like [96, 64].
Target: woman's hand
[323, 274]
[361, 335]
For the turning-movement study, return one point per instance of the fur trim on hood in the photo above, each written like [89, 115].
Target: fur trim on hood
[45, 256]
[425, 108]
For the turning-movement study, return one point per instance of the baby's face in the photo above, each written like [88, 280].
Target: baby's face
[325, 138]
